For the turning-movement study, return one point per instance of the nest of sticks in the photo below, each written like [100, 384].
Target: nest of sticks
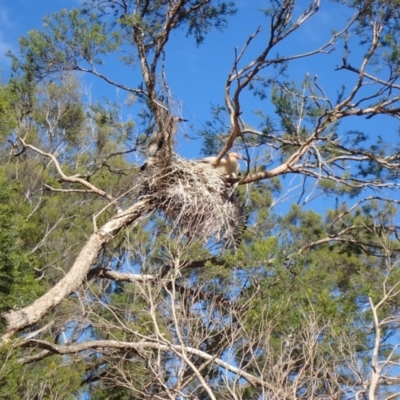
[194, 197]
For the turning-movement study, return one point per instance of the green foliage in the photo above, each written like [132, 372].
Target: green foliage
[72, 37]
[7, 115]
[27, 382]
[17, 276]
[209, 17]
[149, 17]
[295, 294]
[61, 112]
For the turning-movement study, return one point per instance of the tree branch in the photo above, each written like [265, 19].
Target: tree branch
[104, 345]
[27, 316]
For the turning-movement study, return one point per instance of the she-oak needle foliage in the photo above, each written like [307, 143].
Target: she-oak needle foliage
[120, 282]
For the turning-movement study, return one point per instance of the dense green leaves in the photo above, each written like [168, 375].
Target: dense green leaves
[7, 115]
[17, 266]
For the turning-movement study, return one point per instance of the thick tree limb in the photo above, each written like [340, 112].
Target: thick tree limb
[20, 319]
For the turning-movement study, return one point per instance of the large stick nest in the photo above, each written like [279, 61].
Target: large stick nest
[194, 197]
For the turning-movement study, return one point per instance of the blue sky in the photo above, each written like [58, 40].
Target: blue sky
[17, 17]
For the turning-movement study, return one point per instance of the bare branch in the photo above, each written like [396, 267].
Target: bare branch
[66, 178]
[103, 345]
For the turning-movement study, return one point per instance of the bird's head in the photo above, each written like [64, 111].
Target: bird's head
[237, 156]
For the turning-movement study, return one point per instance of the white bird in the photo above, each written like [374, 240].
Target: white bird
[228, 166]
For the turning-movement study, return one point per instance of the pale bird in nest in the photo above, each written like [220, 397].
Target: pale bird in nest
[228, 166]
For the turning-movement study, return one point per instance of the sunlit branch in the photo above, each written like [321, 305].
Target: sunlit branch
[103, 345]
[374, 44]
[50, 188]
[27, 316]
[349, 67]
[66, 178]
[246, 75]
[118, 276]
[352, 182]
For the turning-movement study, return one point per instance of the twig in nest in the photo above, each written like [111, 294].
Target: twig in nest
[195, 199]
